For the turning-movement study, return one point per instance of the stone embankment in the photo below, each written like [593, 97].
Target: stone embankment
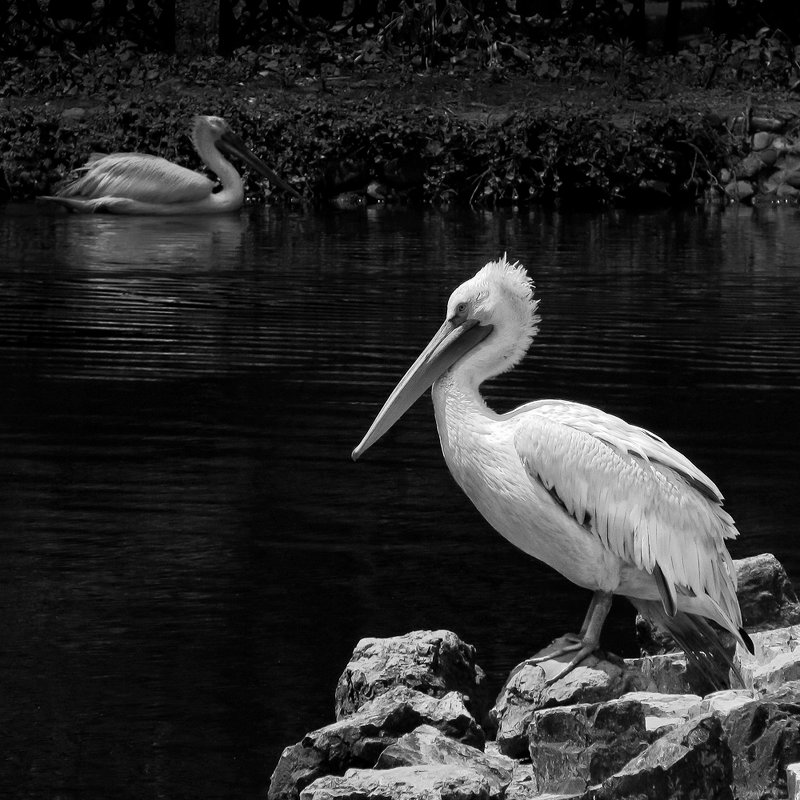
[413, 720]
[770, 171]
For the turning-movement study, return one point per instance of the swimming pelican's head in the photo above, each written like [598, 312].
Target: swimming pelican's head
[214, 132]
[491, 319]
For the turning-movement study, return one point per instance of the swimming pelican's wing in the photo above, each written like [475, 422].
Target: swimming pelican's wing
[647, 503]
[138, 176]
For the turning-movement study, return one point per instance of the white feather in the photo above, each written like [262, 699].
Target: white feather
[648, 504]
[609, 505]
[138, 176]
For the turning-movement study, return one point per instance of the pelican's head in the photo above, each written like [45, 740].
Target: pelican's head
[216, 126]
[214, 132]
[491, 319]
[499, 296]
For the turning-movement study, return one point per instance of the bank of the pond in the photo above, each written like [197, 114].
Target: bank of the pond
[413, 719]
[425, 139]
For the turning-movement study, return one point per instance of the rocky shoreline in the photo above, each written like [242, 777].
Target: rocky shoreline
[770, 170]
[413, 720]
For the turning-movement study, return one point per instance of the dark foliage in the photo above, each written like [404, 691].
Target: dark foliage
[432, 30]
[125, 96]
[418, 155]
[27, 26]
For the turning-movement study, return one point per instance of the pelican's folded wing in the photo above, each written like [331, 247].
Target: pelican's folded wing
[647, 503]
[137, 176]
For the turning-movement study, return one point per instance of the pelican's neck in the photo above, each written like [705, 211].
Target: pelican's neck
[232, 192]
[459, 408]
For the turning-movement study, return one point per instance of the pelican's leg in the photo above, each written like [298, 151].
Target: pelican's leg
[590, 633]
[578, 640]
[591, 612]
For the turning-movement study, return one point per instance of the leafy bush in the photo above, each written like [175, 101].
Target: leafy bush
[573, 158]
[127, 99]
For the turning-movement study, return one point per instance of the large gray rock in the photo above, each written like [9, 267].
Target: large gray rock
[793, 781]
[432, 662]
[578, 746]
[523, 783]
[775, 662]
[723, 702]
[359, 739]
[663, 712]
[764, 738]
[692, 762]
[668, 673]
[401, 783]
[428, 746]
[526, 691]
[766, 595]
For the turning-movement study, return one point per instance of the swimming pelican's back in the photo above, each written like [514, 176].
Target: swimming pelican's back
[138, 176]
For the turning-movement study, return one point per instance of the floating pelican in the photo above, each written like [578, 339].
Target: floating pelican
[609, 505]
[136, 183]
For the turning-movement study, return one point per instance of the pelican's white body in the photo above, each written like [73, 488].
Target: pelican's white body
[138, 183]
[478, 447]
[660, 518]
[609, 505]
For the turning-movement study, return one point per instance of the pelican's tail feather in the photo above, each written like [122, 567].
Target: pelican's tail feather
[79, 205]
[82, 205]
[708, 648]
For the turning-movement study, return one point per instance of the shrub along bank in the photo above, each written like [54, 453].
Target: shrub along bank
[459, 136]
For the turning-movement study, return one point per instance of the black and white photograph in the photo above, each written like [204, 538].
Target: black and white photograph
[399, 400]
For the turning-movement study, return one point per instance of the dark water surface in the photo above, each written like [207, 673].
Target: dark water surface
[187, 555]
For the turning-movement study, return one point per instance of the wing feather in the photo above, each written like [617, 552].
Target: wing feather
[138, 176]
[648, 504]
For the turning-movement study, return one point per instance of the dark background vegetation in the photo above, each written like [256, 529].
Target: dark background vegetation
[436, 29]
[476, 101]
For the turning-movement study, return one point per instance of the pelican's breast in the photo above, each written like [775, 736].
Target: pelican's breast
[478, 447]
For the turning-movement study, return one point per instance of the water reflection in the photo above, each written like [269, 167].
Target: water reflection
[187, 556]
[101, 243]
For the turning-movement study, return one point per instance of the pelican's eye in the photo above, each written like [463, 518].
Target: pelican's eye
[461, 309]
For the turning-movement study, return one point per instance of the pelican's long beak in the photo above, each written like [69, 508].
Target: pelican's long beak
[449, 343]
[232, 145]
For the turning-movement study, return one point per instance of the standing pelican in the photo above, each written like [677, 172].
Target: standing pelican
[609, 505]
[136, 183]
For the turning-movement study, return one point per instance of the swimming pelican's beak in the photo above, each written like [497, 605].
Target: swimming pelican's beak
[450, 342]
[232, 145]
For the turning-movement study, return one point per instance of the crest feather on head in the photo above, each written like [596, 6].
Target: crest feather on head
[513, 281]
